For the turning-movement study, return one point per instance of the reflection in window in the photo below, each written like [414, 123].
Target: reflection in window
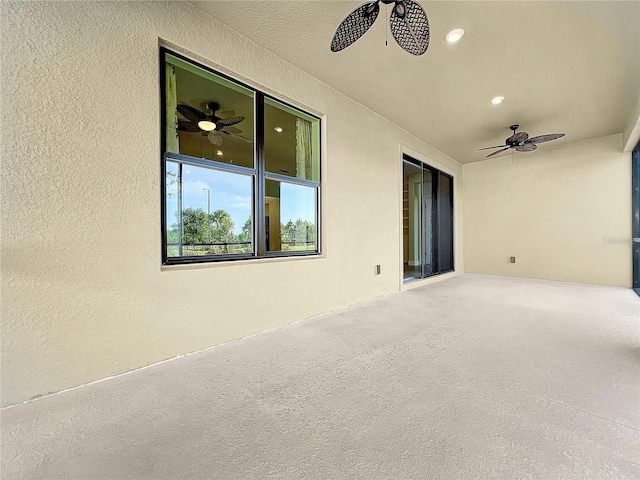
[290, 217]
[172, 207]
[291, 142]
[427, 222]
[215, 215]
[207, 115]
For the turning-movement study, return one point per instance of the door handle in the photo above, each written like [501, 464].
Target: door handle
[636, 240]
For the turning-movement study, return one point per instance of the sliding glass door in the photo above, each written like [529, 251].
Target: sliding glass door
[635, 221]
[427, 220]
[445, 222]
[412, 220]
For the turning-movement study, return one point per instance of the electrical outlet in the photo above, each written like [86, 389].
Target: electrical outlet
[376, 270]
[513, 259]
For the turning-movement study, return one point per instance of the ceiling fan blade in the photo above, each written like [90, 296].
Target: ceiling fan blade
[225, 113]
[225, 122]
[527, 147]
[237, 135]
[191, 114]
[410, 27]
[545, 138]
[355, 25]
[497, 152]
[491, 148]
[232, 130]
[520, 137]
[185, 126]
[215, 138]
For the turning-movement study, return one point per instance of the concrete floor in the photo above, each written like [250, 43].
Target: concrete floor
[472, 377]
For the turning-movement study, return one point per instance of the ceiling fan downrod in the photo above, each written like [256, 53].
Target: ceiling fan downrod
[400, 8]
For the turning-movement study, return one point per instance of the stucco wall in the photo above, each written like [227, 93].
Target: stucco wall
[563, 212]
[83, 293]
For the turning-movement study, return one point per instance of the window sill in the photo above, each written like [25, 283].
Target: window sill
[239, 263]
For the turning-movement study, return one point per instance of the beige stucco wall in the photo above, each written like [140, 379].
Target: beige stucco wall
[83, 293]
[564, 212]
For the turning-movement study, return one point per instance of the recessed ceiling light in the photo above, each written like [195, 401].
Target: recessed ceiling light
[206, 125]
[219, 153]
[454, 35]
[278, 129]
[497, 100]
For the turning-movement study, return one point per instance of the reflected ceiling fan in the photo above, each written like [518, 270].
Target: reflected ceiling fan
[408, 22]
[521, 142]
[211, 124]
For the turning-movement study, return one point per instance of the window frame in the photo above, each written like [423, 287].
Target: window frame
[258, 173]
[635, 218]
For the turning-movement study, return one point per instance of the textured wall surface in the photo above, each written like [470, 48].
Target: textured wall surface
[564, 212]
[83, 293]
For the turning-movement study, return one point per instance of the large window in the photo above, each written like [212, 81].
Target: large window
[241, 171]
[427, 223]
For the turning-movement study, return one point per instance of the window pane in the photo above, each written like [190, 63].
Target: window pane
[197, 100]
[291, 142]
[445, 222]
[412, 220]
[290, 217]
[172, 207]
[216, 214]
[427, 221]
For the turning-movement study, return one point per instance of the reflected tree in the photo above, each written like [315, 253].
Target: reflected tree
[222, 230]
[300, 232]
[247, 231]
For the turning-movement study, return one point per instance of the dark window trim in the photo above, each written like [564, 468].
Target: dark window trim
[259, 225]
[205, 162]
[258, 172]
[635, 217]
[276, 177]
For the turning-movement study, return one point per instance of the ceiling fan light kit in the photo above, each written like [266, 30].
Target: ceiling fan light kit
[408, 23]
[521, 142]
[206, 125]
[209, 124]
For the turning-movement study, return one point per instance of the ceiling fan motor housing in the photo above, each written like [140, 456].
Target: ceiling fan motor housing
[512, 141]
[521, 141]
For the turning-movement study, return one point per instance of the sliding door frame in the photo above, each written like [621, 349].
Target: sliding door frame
[435, 220]
[635, 217]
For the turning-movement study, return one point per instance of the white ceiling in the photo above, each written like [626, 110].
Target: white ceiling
[562, 66]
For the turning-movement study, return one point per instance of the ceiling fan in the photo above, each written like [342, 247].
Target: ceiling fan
[210, 124]
[409, 25]
[521, 141]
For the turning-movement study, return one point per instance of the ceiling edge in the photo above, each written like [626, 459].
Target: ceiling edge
[631, 135]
